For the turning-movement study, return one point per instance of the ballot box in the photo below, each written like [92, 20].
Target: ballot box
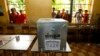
[52, 34]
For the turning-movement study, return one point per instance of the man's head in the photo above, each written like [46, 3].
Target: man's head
[53, 9]
[13, 10]
[80, 10]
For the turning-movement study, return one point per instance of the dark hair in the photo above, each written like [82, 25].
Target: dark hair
[53, 8]
[80, 9]
[86, 10]
[12, 9]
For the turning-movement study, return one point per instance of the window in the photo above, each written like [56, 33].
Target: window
[18, 4]
[16, 12]
[72, 6]
[81, 4]
[61, 4]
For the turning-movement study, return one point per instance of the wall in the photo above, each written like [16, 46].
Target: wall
[96, 7]
[95, 11]
[4, 19]
[36, 9]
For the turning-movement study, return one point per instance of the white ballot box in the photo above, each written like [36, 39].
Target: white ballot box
[52, 34]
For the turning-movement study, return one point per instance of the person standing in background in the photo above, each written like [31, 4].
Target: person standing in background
[53, 13]
[58, 14]
[63, 14]
[14, 15]
[86, 16]
[22, 18]
[79, 16]
[67, 16]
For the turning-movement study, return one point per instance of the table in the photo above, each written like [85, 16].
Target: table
[5, 39]
[35, 50]
[21, 45]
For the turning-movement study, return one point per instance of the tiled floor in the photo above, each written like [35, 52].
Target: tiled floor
[78, 49]
[84, 49]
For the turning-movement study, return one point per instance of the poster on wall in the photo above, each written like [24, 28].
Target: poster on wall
[1, 11]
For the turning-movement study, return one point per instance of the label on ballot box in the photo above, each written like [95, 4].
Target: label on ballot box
[52, 44]
[52, 34]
